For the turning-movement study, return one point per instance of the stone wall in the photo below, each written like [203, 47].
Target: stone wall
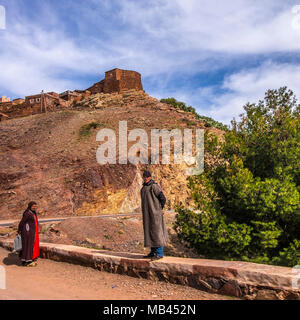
[18, 110]
[244, 280]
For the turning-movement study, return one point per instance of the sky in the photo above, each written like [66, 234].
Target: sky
[215, 55]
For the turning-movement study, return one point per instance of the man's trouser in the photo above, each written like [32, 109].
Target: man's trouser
[158, 250]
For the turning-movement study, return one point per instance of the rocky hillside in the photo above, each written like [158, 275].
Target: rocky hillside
[51, 158]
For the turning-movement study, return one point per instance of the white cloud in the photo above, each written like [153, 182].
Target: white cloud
[236, 26]
[250, 86]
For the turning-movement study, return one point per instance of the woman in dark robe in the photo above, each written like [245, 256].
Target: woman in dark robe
[29, 231]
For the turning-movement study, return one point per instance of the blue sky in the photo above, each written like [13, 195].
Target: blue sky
[213, 55]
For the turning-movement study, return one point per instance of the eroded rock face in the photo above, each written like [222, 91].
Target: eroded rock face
[132, 199]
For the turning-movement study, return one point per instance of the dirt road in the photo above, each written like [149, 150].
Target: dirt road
[59, 281]
[7, 223]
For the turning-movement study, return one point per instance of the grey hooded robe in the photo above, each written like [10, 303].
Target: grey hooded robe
[155, 232]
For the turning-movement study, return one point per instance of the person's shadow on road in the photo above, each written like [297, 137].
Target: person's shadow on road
[12, 259]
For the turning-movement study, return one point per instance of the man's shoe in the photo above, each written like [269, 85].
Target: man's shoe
[151, 254]
[156, 257]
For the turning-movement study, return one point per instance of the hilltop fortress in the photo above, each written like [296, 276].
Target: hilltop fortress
[116, 80]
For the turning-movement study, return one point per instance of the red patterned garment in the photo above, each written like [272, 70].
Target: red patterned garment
[36, 248]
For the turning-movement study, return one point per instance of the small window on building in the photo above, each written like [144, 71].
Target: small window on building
[38, 99]
[31, 100]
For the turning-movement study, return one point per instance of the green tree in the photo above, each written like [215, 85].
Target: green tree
[248, 203]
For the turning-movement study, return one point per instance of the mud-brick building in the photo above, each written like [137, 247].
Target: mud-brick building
[69, 95]
[118, 80]
[6, 102]
[8, 108]
[37, 98]
[42, 101]
[4, 99]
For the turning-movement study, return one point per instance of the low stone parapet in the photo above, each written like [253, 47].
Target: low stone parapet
[233, 278]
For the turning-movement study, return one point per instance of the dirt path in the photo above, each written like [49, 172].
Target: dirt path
[59, 280]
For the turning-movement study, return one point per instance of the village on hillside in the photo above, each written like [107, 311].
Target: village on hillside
[116, 80]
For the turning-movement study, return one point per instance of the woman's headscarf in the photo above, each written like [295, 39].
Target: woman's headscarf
[30, 204]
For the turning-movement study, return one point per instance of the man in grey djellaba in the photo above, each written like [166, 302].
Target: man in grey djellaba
[155, 232]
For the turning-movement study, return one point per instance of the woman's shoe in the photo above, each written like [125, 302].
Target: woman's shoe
[31, 264]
